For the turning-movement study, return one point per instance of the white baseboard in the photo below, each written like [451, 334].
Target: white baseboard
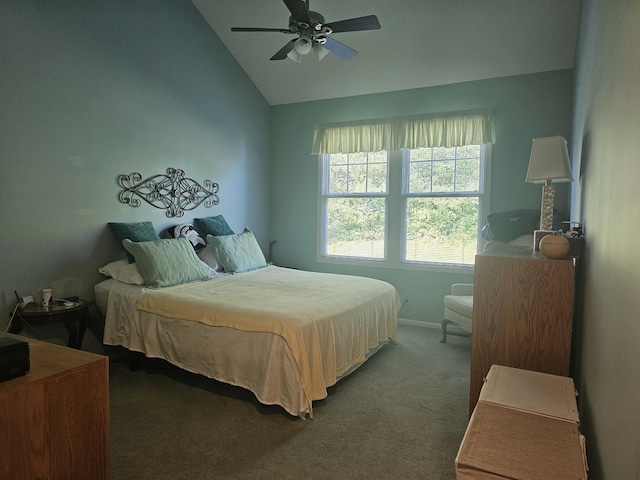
[418, 323]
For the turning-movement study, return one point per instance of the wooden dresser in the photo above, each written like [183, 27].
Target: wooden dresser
[522, 313]
[54, 421]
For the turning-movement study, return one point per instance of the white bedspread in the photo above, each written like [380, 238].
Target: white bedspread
[319, 328]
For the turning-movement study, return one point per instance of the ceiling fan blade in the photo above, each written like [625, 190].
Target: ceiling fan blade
[369, 22]
[251, 29]
[340, 49]
[282, 53]
[299, 10]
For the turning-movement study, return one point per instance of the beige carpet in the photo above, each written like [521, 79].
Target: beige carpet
[401, 415]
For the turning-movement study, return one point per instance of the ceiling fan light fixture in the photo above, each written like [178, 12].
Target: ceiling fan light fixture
[295, 56]
[303, 45]
[320, 51]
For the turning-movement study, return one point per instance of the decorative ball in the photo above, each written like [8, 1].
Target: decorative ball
[554, 246]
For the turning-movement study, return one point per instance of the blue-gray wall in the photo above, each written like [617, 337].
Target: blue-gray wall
[91, 89]
[606, 156]
[525, 107]
[95, 89]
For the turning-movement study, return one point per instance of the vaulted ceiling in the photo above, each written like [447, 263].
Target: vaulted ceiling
[421, 43]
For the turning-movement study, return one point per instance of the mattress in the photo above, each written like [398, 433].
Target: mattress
[241, 329]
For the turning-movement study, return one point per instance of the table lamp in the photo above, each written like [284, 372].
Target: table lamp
[549, 163]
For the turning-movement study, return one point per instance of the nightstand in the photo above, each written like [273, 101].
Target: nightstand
[77, 313]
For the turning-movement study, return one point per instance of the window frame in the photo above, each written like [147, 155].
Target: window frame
[395, 222]
[325, 194]
[480, 194]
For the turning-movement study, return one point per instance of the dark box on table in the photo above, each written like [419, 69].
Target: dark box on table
[14, 358]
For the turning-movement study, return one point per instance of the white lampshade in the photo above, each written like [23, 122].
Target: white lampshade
[320, 51]
[295, 56]
[549, 161]
[303, 45]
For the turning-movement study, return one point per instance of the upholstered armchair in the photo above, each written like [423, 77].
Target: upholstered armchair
[458, 309]
[509, 227]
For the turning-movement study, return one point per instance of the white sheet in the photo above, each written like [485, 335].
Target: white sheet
[259, 361]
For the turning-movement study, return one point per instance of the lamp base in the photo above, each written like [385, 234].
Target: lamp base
[546, 210]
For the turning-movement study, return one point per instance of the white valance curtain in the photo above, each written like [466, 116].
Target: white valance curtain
[442, 130]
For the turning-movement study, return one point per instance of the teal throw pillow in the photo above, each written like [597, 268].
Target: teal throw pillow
[134, 231]
[212, 226]
[237, 253]
[167, 262]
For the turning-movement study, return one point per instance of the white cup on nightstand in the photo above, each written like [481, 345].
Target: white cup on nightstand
[46, 297]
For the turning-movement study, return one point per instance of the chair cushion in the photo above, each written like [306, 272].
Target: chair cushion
[462, 304]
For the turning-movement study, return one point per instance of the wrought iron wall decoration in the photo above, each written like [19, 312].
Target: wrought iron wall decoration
[172, 192]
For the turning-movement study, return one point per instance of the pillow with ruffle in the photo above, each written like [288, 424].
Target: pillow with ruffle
[237, 253]
[167, 262]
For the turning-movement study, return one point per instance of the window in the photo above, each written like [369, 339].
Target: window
[442, 189]
[406, 191]
[413, 206]
[355, 203]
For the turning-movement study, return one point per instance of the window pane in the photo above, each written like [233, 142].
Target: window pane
[338, 179]
[442, 230]
[442, 153]
[419, 176]
[468, 151]
[360, 157]
[422, 154]
[444, 176]
[358, 178]
[467, 175]
[355, 227]
[439, 170]
[378, 157]
[358, 172]
[377, 178]
[339, 158]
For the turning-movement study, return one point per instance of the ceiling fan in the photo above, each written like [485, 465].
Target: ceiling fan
[314, 34]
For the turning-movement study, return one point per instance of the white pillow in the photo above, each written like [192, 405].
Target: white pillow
[208, 256]
[123, 271]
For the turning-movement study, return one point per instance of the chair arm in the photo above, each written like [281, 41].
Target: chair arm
[462, 289]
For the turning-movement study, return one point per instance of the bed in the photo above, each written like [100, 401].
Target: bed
[284, 334]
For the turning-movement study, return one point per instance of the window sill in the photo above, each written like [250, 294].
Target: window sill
[386, 264]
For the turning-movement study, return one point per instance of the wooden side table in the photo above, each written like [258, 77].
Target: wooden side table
[55, 419]
[77, 313]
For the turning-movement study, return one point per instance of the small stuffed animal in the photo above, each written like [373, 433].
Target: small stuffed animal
[188, 231]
